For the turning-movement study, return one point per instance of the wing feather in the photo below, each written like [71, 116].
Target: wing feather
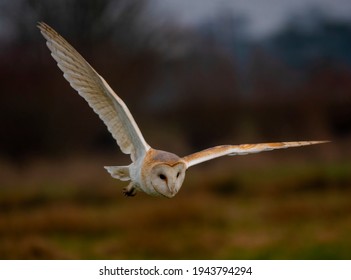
[95, 90]
[244, 149]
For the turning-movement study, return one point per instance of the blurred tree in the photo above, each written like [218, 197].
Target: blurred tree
[83, 20]
[31, 83]
[312, 37]
[209, 77]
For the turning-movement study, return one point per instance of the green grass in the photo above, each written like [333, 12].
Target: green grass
[292, 211]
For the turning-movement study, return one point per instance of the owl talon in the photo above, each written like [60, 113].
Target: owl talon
[129, 193]
[129, 190]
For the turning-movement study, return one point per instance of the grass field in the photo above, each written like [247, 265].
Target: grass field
[265, 211]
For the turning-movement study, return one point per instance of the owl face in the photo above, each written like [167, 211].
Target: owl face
[167, 179]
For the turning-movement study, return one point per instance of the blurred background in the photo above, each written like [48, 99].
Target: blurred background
[194, 74]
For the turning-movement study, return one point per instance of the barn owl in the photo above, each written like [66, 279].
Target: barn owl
[152, 171]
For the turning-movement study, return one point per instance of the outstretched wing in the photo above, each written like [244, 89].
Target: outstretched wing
[244, 149]
[94, 89]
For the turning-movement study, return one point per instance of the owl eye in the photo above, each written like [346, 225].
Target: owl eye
[178, 174]
[162, 177]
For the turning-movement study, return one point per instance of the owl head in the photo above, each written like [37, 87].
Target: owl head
[166, 173]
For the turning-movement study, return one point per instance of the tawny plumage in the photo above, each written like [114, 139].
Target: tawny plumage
[153, 171]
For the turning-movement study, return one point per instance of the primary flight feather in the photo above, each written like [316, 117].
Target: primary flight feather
[94, 89]
[153, 171]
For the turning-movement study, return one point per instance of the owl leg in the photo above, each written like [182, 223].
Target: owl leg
[130, 190]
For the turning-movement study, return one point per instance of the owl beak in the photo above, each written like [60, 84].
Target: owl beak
[172, 189]
[172, 192]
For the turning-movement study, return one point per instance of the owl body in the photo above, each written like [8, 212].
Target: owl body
[152, 171]
[157, 173]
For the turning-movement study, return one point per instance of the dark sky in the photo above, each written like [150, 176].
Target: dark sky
[265, 15]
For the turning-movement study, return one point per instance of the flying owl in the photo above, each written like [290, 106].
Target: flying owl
[152, 171]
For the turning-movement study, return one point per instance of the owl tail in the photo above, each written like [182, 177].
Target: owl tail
[119, 172]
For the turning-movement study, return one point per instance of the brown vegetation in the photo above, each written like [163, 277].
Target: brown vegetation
[295, 210]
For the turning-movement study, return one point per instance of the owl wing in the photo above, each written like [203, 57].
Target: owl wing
[244, 149]
[99, 95]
